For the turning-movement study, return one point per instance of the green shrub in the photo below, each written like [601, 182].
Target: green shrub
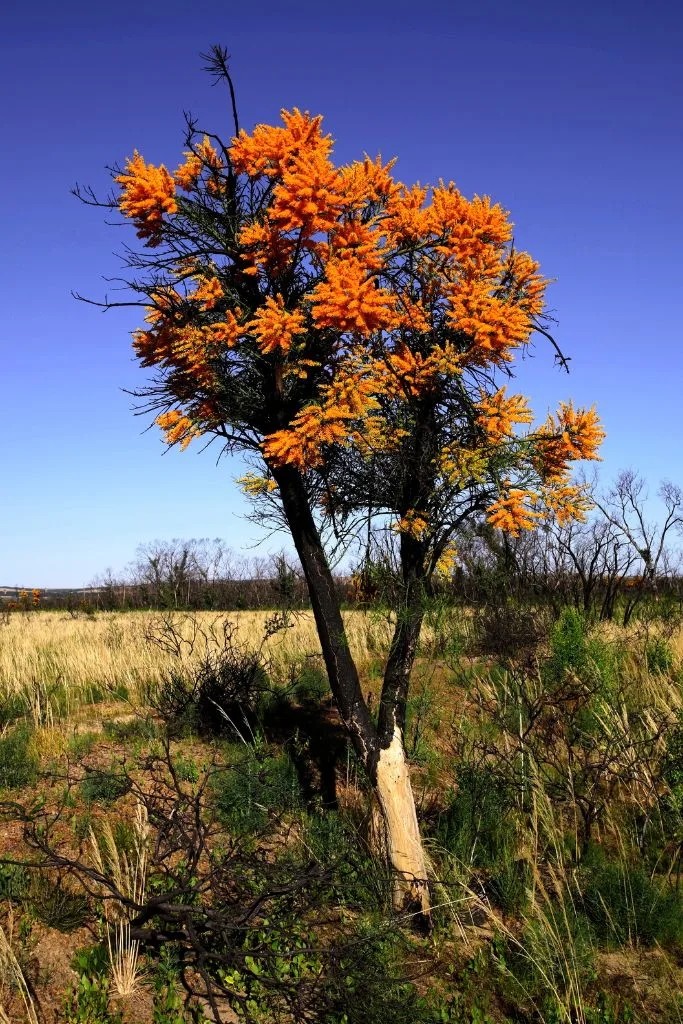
[12, 707]
[659, 657]
[508, 883]
[104, 786]
[14, 882]
[81, 743]
[56, 906]
[311, 685]
[477, 827]
[185, 768]
[87, 1002]
[19, 763]
[81, 825]
[625, 905]
[258, 785]
[672, 762]
[358, 879]
[132, 728]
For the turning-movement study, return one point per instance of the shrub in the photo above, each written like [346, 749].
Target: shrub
[358, 879]
[104, 786]
[144, 728]
[659, 657]
[625, 905]
[508, 630]
[248, 792]
[56, 906]
[572, 649]
[88, 1000]
[12, 707]
[14, 882]
[672, 762]
[219, 698]
[81, 743]
[311, 685]
[18, 761]
[186, 768]
[476, 827]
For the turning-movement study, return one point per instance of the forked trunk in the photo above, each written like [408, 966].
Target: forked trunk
[383, 758]
[401, 833]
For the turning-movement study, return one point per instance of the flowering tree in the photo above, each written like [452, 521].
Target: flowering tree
[351, 333]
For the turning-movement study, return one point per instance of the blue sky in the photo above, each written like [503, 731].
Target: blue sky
[568, 114]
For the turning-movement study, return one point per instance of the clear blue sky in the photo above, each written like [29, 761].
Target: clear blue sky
[569, 114]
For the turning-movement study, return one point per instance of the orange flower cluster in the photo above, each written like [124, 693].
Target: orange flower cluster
[414, 373]
[566, 502]
[301, 444]
[413, 524]
[368, 181]
[573, 434]
[407, 219]
[204, 155]
[447, 561]
[499, 414]
[350, 397]
[275, 328]
[209, 292]
[271, 150]
[254, 485]
[264, 248]
[178, 428]
[307, 198]
[187, 349]
[147, 193]
[514, 511]
[348, 300]
[495, 326]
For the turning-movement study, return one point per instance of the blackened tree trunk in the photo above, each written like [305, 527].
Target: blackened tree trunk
[381, 750]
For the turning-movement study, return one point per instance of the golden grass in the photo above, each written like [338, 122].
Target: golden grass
[41, 651]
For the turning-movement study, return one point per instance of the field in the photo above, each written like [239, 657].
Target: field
[198, 768]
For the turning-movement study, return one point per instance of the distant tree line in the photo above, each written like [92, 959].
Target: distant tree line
[620, 558]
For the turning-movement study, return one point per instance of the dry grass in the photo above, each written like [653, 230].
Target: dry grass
[42, 651]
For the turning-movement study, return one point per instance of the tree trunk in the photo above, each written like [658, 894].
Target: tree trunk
[400, 832]
[382, 756]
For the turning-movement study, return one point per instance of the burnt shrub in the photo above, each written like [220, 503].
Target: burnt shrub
[220, 693]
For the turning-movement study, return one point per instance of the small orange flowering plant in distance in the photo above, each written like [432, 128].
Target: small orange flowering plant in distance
[355, 336]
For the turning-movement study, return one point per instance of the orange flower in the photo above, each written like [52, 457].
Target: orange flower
[307, 197]
[204, 155]
[208, 293]
[226, 331]
[494, 325]
[574, 434]
[367, 181]
[147, 193]
[274, 327]
[407, 218]
[271, 150]
[567, 502]
[187, 174]
[353, 238]
[413, 524]
[513, 511]
[413, 371]
[498, 414]
[177, 428]
[472, 230]
[348, 301]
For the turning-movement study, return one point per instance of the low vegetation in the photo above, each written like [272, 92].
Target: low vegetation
[195, 834]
